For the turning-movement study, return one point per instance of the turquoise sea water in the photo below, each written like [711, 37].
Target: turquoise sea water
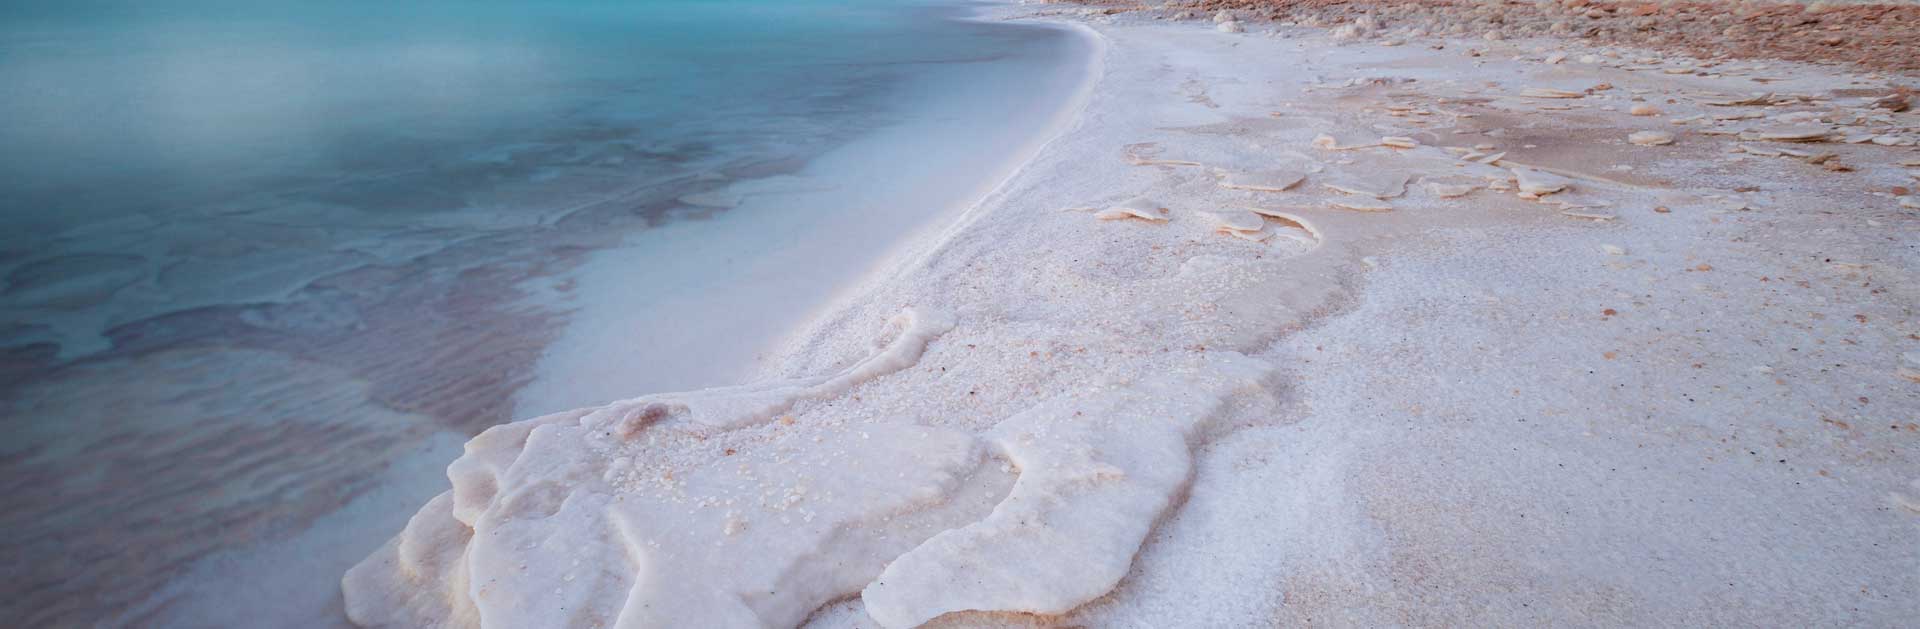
[258, 260]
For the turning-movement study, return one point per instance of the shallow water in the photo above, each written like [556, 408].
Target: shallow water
[263, 266]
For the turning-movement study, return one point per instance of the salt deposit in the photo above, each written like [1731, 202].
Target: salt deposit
[1132, 426]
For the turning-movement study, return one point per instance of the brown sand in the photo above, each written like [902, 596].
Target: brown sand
[1877, 36]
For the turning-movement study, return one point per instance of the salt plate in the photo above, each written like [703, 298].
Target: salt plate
[1257, 235]
[1546, 92]
[1290, 224]
[1644, 110]
[1373, 184]
[1539, 182]
[1361, 204]
[1450, 191]
[1399, 142]
[1263, 181]
[1146, 154]
[1234, 220]
[1756, 101]
[1650, 138]
[1137, 207]
[1327, 143]
[1589, 215]
[1790, 134]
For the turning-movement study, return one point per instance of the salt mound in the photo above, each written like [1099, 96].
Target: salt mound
[1097, 468]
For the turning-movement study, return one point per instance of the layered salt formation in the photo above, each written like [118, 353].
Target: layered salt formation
[625, 516]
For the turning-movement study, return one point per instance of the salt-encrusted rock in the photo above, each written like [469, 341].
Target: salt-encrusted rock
[1137, 207]
[1399, 142]
[1910, 202]
[1650, 138]
[1223, 16]
[1644, 110]
[1539, 182]
[1264, 180]
[1230, 27]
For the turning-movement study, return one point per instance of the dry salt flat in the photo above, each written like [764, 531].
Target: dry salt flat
[1288, 329]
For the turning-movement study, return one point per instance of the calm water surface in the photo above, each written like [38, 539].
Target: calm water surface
[264, 265]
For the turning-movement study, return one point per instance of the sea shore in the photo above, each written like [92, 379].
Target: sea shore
[1293, 325]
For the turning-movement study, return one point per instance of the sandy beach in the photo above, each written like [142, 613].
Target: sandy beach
[1350, 320]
